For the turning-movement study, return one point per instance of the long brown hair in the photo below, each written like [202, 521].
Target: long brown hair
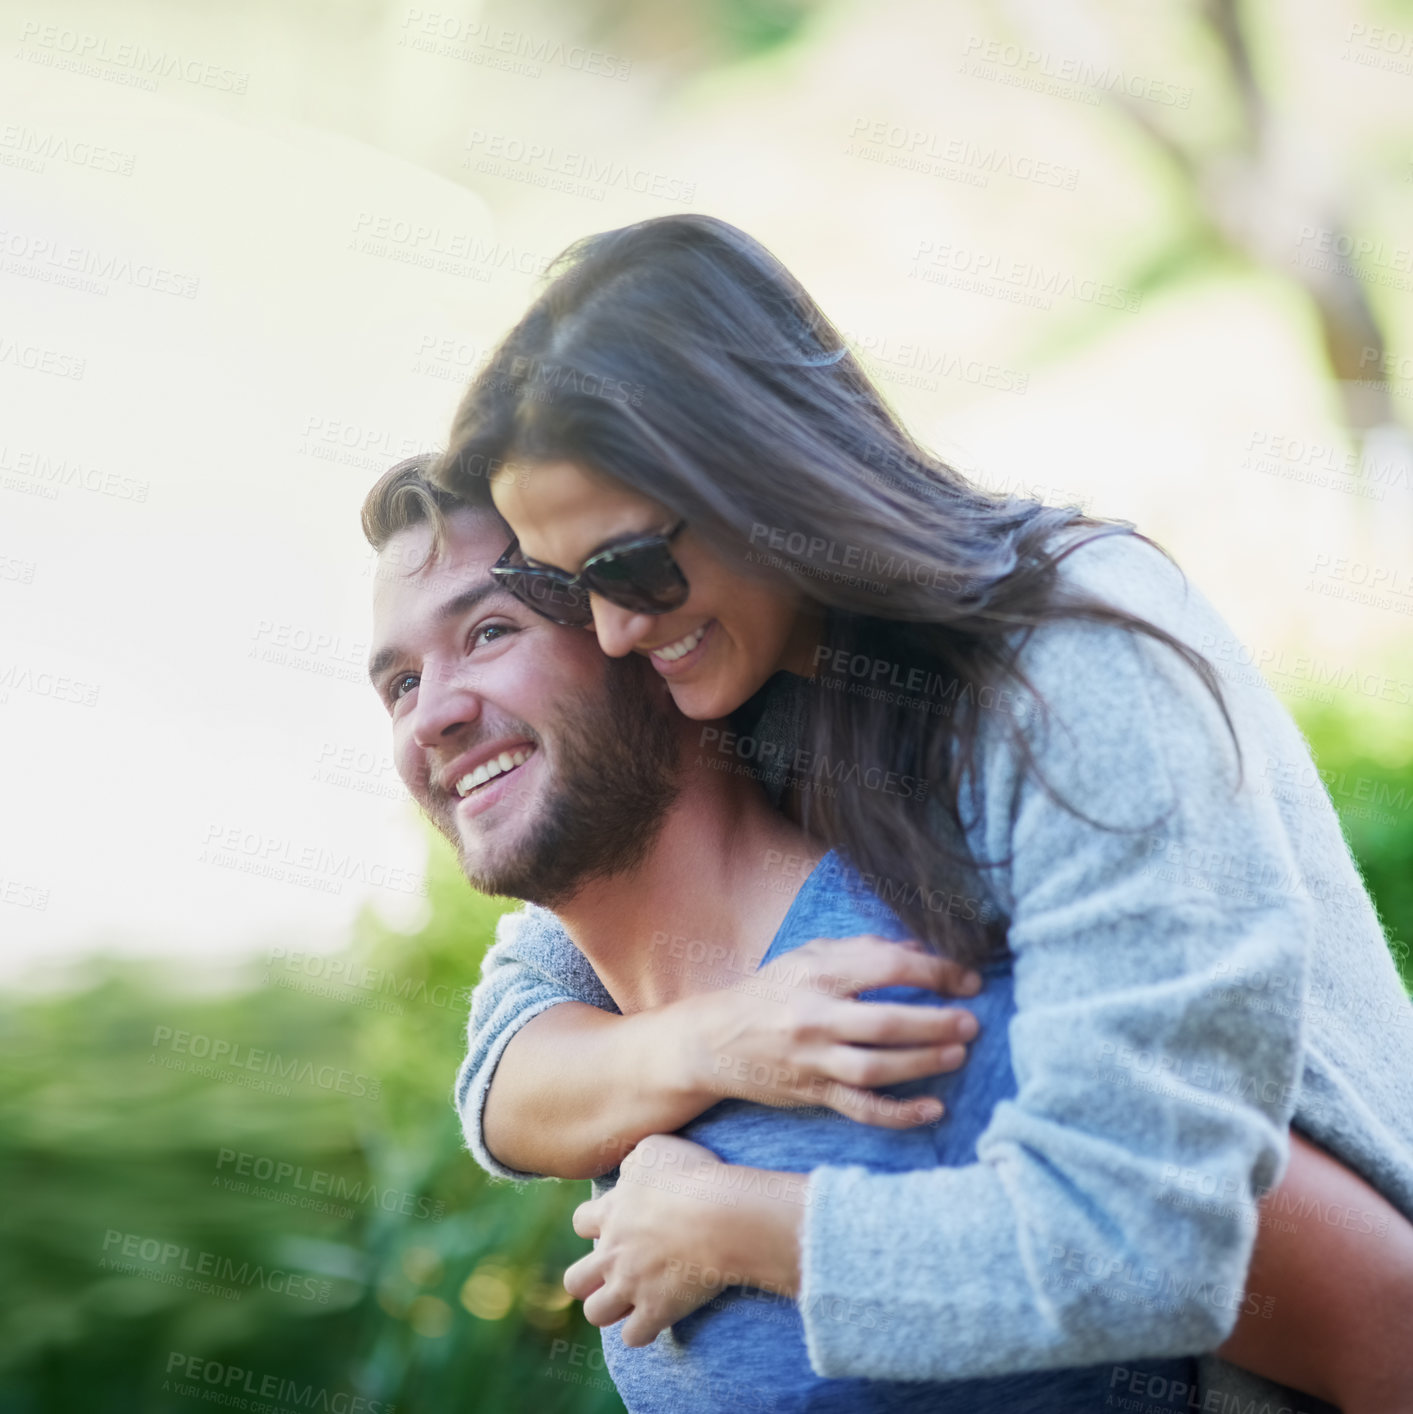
[681, 358]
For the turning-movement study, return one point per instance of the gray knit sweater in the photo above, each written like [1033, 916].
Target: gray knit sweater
[1188, 984]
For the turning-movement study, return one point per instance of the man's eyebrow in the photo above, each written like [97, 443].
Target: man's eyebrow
[453, 608]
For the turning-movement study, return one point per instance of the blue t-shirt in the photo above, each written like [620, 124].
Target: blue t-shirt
[745, 1349]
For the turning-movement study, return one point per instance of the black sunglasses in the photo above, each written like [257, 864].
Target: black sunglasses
[639, 575]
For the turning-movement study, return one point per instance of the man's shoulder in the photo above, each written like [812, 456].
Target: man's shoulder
[533, 938]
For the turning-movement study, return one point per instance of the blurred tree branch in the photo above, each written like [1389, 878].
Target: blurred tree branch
[1246, 203]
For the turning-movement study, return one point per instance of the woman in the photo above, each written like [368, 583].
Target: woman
[694, 466]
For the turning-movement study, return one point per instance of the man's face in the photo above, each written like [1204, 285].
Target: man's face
[543, 761]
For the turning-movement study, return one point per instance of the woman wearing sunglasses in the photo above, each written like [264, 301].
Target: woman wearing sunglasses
[696, 469]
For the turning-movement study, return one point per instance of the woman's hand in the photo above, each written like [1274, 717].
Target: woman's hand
[679, 1227]
[793, 1035]
[577, 1087]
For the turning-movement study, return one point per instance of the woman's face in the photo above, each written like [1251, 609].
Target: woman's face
[714, 652]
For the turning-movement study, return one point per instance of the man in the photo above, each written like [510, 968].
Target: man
[568, 779]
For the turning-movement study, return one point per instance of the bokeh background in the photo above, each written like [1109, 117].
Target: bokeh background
[1155, 260]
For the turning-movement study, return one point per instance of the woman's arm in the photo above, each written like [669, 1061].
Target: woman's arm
[556, 1084]
[1334, 1259]
[577, 1087]
[1325, 1308]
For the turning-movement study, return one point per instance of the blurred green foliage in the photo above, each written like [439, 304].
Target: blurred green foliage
[1365, 759]
[379, 1261]
[413, 1280]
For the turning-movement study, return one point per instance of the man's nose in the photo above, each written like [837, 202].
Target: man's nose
[447, 699]
[619, 630]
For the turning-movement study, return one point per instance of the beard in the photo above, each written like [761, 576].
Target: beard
[616, 773]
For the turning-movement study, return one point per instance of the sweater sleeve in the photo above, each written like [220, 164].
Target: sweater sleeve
[1111, 1213]
[531, 967]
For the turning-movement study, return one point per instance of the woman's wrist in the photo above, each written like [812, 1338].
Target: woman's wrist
[757, 1229]
[686, 1029]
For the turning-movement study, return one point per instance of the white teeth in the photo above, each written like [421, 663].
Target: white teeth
[673, 651]
[489, 770]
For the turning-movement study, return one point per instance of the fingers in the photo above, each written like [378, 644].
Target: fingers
[640, 1329]
[864, 1068]
[584, 1277]
[847, 966]
[588, 1219]
[604, 1307]
[883, 1111]
[897, 1024]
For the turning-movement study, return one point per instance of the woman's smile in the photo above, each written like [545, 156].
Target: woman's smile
[683, 653]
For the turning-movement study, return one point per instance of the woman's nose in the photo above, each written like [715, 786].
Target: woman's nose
[619, 630]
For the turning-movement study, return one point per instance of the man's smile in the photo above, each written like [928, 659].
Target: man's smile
[492, 767]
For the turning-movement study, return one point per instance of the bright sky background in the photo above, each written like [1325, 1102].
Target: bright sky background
[178, 526]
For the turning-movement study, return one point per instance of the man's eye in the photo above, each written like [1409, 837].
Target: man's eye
[479, 636]
[398, 686]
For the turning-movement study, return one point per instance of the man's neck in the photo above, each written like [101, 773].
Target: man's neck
[700, 911]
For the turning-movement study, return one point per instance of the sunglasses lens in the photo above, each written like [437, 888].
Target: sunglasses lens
[645, 580]
[548, 596]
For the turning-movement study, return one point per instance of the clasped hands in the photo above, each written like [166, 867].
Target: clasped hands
[681, 1225]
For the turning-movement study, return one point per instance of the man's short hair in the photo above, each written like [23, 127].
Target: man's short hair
[403, 497]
